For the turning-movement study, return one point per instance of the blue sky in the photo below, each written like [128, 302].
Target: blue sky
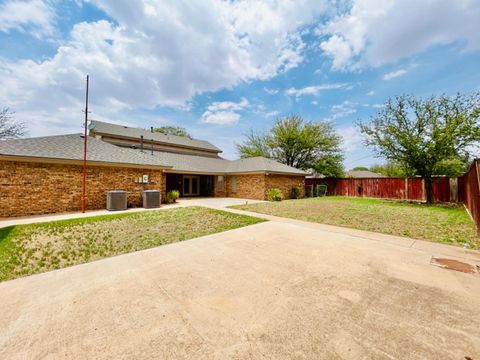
[220, 69]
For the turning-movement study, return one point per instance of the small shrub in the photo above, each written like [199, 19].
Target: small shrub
[172, 196]
[296, 192]
[274, 195]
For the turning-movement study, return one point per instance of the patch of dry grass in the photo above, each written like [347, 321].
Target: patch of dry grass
[29, 249]
[447, 224]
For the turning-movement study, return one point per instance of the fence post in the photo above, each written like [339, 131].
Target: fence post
[405, 191]
[423, 189]
[477, 163]
[453, 182]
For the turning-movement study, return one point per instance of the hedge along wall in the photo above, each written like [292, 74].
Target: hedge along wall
[469, 191]
[28, 188]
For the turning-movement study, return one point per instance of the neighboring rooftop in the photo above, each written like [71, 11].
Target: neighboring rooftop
[104, 128]
[362, 174]
[70, 147]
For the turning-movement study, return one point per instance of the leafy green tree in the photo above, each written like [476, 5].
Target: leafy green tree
[390, 169]
[9, 128]
[298, 143]
[420, 134]
[255, 145]
[173, 130]
[360, 168]
[451, 167]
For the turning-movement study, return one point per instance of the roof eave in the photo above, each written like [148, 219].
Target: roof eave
[48, 160]
[225, 173]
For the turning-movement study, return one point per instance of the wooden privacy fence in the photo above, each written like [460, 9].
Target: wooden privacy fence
[465, 189]
[469, 191]
[444, 188]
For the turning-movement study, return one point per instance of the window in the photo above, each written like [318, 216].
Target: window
[234, 184]
[220, 182]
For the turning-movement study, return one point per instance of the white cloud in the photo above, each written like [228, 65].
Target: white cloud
[220, 117]
[228, 105]
[371, 93]
[271, 113]
[316, 89]
[352, 138]
[262, 110]
[374, 106]
[270, 91]
[223, 112]
[376, 32]
[344, 109]
[157, 54]
[35, 17]
[394, 74]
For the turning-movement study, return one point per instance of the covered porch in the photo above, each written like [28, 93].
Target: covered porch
[191, 185]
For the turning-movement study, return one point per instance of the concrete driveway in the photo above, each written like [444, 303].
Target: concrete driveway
[282, 289]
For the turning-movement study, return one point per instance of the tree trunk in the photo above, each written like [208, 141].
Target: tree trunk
[429, 189]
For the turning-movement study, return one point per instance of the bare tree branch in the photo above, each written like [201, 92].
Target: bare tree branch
[9, 128]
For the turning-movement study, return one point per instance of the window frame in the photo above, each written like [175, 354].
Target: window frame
[234, 184]
[222, 182]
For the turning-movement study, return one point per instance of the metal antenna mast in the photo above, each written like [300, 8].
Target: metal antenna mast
[84, 187]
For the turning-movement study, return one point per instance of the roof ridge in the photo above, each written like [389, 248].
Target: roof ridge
[116, 129]
[149, 131]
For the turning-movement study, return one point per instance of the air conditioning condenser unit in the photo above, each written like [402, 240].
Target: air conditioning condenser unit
[151, 199]
[116, 200]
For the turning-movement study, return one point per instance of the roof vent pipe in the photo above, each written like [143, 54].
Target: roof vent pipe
[151, 129]
[141, 143]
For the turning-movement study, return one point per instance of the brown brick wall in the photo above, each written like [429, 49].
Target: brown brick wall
[285, 183]
[255, 186]
[248, 186]
[38, 188]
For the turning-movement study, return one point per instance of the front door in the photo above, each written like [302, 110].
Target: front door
[191, 185]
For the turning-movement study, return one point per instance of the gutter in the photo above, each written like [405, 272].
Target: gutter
[80, 162]
[254, 172]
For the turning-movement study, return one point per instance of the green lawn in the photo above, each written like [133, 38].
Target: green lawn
[451, 225]
[29, 249]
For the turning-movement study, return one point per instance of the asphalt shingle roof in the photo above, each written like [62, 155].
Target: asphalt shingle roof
[201, 164]
[261, 164]
[135, 133]
[70, 147]
[359, 174]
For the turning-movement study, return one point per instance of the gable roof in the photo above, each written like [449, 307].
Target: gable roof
[70, 147]
[260, 163]
[104, 128]
[202, 164]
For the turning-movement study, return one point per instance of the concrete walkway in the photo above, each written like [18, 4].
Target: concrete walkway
[276, 290]
[217, 203]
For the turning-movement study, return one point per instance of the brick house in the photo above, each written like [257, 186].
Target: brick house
[44, 175]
